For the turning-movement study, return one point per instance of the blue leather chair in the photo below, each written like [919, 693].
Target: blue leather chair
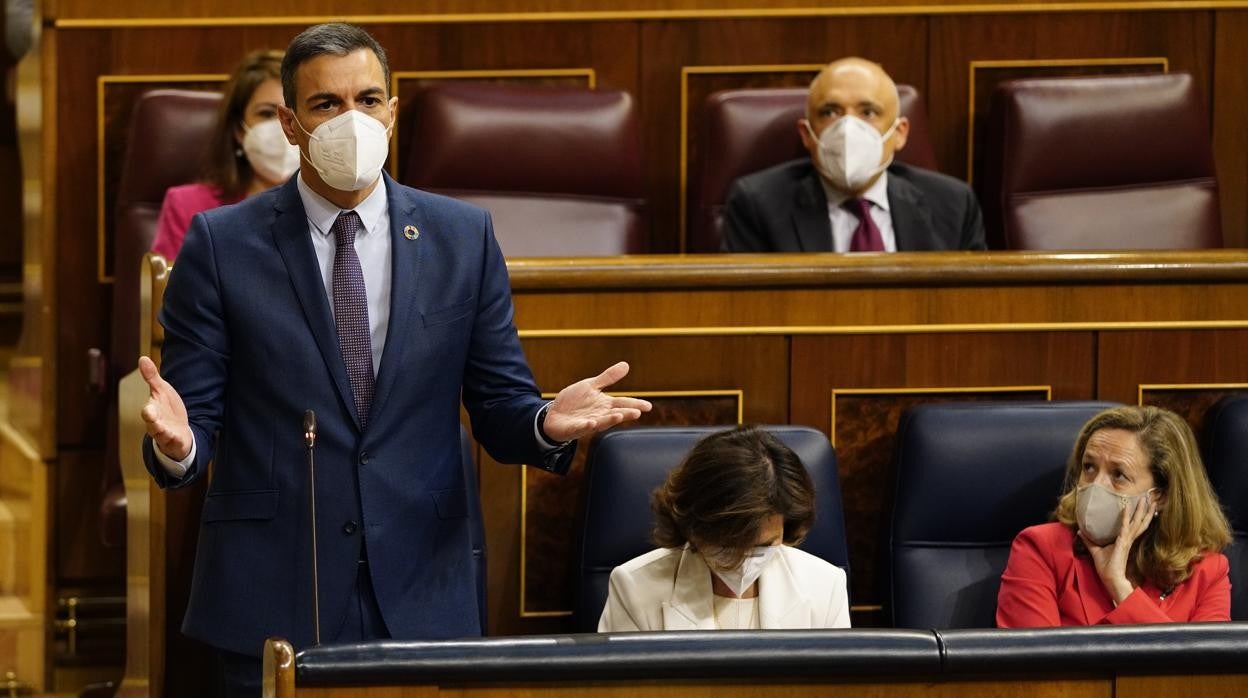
[626, 465]
[1227, 464]
[969, 478]
[477, 532]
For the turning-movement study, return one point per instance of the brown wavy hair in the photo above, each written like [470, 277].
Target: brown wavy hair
[722, 492]
[224, 167]
[1190, 522]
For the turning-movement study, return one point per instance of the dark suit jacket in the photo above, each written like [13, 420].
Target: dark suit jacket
[784, 209]
[250, 344]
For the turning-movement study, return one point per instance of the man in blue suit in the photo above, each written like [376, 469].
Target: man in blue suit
[378, 307]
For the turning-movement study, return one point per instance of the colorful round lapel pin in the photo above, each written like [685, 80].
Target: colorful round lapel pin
[411, 233]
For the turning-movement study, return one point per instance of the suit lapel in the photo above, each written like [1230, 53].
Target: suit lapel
[781, 604]
[912, 220]
[810, 215]
[690, 606]
[290, 234]
[405, 286]
[1092, 595]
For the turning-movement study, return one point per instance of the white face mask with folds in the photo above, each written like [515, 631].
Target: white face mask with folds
[740, 578]
[850, 151]
[1098, 511]
[349, 150]
[268, 152]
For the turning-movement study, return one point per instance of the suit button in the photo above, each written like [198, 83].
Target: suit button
[349, 527]
[364, 458]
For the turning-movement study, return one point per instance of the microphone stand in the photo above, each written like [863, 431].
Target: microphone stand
[309, 440]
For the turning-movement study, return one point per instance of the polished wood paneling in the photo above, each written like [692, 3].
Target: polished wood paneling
[81, 557]
[432, 9]
[1230, 115]
[1130, 359]
[1190, 402]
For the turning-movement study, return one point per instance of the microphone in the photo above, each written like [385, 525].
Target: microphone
[309, 440]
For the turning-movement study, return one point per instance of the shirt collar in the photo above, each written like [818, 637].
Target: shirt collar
[322, 214]
[877, 193]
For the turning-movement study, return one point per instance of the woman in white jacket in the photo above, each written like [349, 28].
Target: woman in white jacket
[725, 522]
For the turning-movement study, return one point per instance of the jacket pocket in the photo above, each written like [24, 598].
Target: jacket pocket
[238, 506]
[451, 504]
[450, 313]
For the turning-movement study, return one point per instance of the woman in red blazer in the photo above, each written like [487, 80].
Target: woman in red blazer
[1137, 538]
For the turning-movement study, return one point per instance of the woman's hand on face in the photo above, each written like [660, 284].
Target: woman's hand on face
[1111, 559]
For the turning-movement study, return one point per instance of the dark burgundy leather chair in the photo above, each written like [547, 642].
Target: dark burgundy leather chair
[558, 168]
[748, 130]
[169, 129]
[1111, 162]
[1227, 464]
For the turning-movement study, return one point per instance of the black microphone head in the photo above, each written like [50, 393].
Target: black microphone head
[309, 422]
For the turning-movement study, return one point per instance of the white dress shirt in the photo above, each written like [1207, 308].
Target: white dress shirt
[845, 223]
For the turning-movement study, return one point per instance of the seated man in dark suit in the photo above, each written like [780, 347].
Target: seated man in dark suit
[850, 196]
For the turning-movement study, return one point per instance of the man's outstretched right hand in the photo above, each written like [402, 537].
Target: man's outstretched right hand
[165, 415]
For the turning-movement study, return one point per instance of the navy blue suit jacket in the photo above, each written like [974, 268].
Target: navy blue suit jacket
[250, 344]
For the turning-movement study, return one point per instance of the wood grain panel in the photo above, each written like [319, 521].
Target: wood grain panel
[919, 368]
[1126, 360]
[81, 558]
[1192, 403]
[758, 366]
[1182, 37]
[433, 10]
[1230, 138]
[899, 43]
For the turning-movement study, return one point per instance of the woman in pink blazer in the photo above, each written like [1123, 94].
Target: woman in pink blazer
[248, 152]
[1137, 538]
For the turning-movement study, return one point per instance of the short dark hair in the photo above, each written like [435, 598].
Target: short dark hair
[726, 487]
[337, 39]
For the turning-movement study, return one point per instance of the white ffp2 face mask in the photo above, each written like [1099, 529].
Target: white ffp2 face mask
[741, 577]
[348, 150]
[1098, 511]
[271, 156]
[850, 151]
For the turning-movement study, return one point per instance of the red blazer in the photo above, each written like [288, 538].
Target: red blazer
[1046, 584]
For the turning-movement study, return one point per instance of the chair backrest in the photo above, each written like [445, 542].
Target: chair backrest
[969, 478]
[169, 130]
[1227, 464]
[559, 168]
[1112, 162]
[748, 130]
[626, 465]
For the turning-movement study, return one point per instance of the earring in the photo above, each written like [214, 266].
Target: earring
[238, 152]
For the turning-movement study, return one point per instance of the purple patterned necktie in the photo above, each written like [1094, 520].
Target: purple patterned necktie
[867, 236]
[351, 313]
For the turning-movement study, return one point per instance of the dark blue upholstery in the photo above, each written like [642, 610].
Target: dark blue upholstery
[969, 477]
[1227, 463]
[476, 532]
[625, 466]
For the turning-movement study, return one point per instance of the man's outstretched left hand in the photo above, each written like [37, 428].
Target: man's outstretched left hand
[583, 409]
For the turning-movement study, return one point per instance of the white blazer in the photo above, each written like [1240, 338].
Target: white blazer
[670, 589]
